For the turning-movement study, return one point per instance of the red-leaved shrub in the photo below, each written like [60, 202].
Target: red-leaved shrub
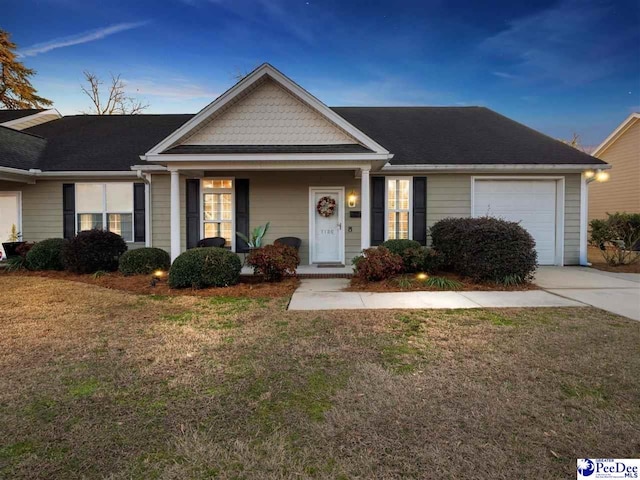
[377, 264]
[274, 261]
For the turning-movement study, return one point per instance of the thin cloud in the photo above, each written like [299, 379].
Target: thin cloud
[504, 75]
[176, 89]
[79, 39]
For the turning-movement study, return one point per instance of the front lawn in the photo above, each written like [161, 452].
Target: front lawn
[99, 383]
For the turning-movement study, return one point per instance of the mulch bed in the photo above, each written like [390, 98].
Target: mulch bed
[397, 284]
[598, 262]
[249, 286]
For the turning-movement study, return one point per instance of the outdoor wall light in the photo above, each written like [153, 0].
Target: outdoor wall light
[596, 176]
[352, 199]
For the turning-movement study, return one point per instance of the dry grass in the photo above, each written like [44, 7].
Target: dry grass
[98, 383]
[597, 261]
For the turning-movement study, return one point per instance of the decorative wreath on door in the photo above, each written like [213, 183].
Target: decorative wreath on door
[326, 206]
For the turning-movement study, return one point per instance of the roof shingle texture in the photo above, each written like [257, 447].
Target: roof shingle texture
[8, 115]
[19, 150]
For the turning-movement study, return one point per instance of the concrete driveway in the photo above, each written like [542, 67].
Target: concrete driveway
[615, 292]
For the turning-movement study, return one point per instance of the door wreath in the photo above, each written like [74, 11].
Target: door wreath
[326, 206]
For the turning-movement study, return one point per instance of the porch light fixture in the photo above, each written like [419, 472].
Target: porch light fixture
[352, 199]
[596, 176]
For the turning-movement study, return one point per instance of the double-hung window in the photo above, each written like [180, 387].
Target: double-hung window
[398, 208]
[108, 206]
[217, 209]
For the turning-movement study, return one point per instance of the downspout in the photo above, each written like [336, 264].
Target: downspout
[146, 178]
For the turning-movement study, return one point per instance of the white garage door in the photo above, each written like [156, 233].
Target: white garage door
[530, 202]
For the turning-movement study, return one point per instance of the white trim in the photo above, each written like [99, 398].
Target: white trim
[263, 157]
[365, 209]
[560, 205]
[312, 221]
[18, 195]
[28, 118]
[273, 166]
[584, 219]
[386, 204]
[460, 168]
[620, 129]
[174, 221]
[233, 207]
[88, 173]
[266, 70]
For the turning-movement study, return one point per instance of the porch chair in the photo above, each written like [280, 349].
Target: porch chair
[294, 242]
[211, 242]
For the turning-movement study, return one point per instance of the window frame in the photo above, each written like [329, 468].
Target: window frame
[231, 190]
[105, 213]
[386, 205]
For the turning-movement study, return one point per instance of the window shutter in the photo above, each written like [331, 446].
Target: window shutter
[193, 212]
[242, 213]
[68, 210]
[420, 209]
[377, 210]
[139, 212]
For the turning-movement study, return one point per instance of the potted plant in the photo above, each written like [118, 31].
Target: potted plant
[255, 239]
[12, 243]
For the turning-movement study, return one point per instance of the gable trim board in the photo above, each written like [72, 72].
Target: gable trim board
[617, 133]
[246, 83]
[33, 119]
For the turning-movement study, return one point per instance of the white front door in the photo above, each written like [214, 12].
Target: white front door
[9, 216]
[326, 224]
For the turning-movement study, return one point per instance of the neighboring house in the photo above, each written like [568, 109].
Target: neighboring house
[621, 150]
[21, 119]
[267, 151]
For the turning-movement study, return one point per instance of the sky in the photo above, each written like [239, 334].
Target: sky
[561, 67]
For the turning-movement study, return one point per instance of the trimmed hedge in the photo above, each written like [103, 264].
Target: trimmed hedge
[400, 246]
[274, 261]
[46, 255]
[486, 248]
[93, 250]
[143, 261]
[205, 267]
[377, 264]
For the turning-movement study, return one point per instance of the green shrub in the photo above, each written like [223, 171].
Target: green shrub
[485, 248]
[421, 259]
[143, 261]
[274, 261]
[93, 250]
[377, 264]
[399, 246]
[618, 237]
[205, 267]
[46, 255]
[443, 283]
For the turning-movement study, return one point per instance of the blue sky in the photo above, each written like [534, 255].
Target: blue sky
[560, 67]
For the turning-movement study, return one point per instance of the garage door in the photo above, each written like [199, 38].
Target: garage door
[531, 202]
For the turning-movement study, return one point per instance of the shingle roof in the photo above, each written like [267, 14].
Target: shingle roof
[8, 115]
[102, 142]
[458, 135]
[336, 148]
[19, 150]
[415, 135]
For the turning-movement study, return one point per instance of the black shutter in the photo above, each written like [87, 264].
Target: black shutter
[68, 210]
[193, 212]
[377, 210]
[138, 212]
[420, 209]
[242, 213]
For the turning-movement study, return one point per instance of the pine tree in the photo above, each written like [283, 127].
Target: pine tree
[16, 91]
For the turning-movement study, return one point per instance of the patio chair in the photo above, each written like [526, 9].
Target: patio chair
[289, 241]
[212, 242]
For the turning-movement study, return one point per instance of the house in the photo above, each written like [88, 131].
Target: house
[621, 150]
[21, 119]
[266, 150]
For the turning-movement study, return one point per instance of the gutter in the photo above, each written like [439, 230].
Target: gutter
[494, 167]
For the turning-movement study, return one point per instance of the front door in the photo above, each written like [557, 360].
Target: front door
[9, 216]
[326, 224]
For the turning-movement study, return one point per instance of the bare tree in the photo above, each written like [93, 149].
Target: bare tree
[116, 102]
[574, 142]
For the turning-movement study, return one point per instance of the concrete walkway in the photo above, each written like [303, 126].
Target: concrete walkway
[615, 292]
[328, 294]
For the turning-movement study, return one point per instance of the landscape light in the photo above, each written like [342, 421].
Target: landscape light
[422, 276]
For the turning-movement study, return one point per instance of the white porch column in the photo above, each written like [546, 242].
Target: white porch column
[175, 214]
[365, 208]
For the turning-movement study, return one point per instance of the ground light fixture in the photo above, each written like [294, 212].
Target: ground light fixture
[422, 276]
[596, 175]
[157, 276]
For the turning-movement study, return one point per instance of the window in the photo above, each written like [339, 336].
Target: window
[217, 209]
[105, 205]
[398, 208]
